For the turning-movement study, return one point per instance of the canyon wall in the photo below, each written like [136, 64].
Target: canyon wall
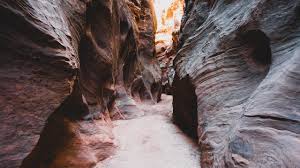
[64, 63]
[241, 59]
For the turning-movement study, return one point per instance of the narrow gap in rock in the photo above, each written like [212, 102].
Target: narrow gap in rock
[152, 139]
[168, 17]
[185, 106]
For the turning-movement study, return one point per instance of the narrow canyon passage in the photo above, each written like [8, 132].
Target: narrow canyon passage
[152, 141]
[150, 84]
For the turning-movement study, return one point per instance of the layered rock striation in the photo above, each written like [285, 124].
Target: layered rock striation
[241, 59]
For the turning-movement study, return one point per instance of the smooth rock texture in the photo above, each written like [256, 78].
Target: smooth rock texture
[76, 144]
[38, 69]
[69, 141]
[117, 53]
[71, 60]
[243, 59]
[68, 66]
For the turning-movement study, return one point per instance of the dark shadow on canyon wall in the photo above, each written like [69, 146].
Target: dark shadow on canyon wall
[69, 141]
[259, 45]
[185, 113]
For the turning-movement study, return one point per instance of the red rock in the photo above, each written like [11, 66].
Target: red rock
[49, 47]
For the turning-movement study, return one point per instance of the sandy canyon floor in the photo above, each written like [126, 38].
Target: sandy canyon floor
[152, 141]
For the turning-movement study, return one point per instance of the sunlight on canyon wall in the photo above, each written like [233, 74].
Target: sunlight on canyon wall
[168, 14]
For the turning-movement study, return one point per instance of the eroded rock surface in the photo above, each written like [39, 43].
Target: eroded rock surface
[67, 66]
[243, 59]
[117, 53]
[39, 63]
[69, 60]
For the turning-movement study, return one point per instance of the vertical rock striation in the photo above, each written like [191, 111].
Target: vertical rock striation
[243, 59]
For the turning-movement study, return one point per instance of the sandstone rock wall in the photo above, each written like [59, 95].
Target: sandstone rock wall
[39, 63]
[243, 59]
[67, 59]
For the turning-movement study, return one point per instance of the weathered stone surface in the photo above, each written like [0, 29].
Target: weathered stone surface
[243, 58]
[49, 46]
[38, 68]
[67, 141]
[118, 49]
[147, 68]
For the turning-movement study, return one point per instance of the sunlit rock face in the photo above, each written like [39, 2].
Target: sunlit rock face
[168, 16]
[242, 59]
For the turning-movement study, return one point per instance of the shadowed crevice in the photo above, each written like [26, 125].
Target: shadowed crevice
[185, 105]
[259, 43]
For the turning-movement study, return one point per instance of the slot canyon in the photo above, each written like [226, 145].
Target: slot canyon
[150, 84]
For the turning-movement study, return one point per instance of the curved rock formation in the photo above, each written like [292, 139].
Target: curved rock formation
[69, 66]
[243, 59]
[69, 60]
[39, 65]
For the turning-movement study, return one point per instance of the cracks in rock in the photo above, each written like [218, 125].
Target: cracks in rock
[273, 118]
